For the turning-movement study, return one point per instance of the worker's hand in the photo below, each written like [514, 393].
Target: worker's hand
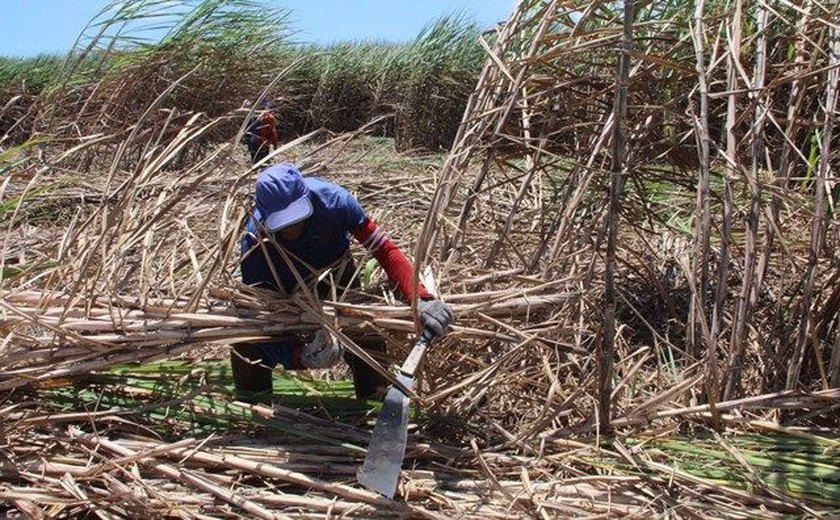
[435, 316]
[324, 351]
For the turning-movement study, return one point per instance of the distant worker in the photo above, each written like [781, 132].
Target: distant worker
[309, 222]
[262, 132]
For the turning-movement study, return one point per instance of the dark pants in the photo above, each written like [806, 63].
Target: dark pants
[258, 152]
[252, 378]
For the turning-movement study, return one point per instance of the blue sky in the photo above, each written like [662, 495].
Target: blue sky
[32, 27]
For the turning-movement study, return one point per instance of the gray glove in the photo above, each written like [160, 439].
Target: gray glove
[435, 316]
[324, 351]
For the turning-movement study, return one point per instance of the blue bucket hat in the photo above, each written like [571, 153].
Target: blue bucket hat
[282, 196]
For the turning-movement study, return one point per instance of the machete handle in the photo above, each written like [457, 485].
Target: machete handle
[415, 357]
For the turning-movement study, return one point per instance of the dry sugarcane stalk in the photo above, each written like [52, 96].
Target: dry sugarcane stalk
[702, 230]
[606, 347]
[825, 158]
[292, 477]
[732, 30]
[187, 477]
[817, 222]
[750, 286]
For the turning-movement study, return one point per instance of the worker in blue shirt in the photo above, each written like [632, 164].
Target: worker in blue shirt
[299, 228]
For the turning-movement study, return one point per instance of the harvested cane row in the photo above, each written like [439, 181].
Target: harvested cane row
[302, 464]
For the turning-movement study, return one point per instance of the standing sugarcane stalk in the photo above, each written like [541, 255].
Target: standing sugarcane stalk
[751, 283]
[817, 221]
[702, 228]
[606, 352]
[730, 173]
[795, 101]
[830, 110]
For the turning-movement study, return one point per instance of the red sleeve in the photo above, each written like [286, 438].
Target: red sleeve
[273, 136]
[397, 266]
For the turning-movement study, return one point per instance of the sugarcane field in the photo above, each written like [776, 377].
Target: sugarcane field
[582, 263]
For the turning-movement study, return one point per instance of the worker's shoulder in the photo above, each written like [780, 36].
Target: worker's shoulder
[326, 190]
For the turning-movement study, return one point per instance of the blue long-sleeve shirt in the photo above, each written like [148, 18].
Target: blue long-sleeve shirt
[325, 239]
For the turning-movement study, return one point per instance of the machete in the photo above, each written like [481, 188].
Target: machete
[381, 469]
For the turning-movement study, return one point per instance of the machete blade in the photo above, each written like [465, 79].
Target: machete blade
[381, 470]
